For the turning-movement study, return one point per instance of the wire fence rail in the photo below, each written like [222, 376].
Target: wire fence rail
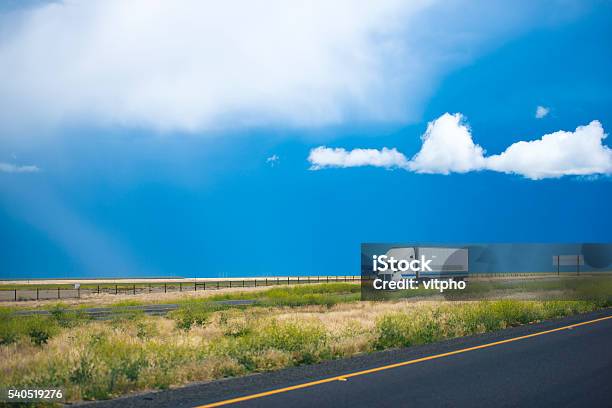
[46, 292]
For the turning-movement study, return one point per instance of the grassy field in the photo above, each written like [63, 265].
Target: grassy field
[203, 341]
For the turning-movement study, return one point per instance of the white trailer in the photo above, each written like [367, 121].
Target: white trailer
[445, 262]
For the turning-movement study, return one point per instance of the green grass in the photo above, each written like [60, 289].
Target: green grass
[401, 330]
[321, 294]
[37, 330]
[197, 311]
[126, 303]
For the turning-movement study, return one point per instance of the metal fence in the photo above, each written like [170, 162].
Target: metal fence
[62, 292]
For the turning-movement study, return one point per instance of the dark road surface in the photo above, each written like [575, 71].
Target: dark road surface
[566, 368]
[153, 309]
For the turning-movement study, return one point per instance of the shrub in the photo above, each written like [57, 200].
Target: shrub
[67, 318]
[393, 331]
[122, 316]
[84, 371]
[186, 317]
[39, 336]
[145, 330]
[39, 329]
[235, 323]
[9, 331]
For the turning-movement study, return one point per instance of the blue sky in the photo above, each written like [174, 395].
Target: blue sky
[156, 165]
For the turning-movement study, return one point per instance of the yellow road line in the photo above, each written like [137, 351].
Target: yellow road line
[344, 377]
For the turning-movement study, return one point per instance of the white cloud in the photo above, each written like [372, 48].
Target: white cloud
[324, 157]
[193, 65]
[561, 153]
[541, 111]
[13, 168]
[272, 160]
[448, 147]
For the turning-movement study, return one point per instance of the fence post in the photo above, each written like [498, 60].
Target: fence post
[79, 292]
[217, 284]
[180, 287]
[98, 289]
[36, 293]
[255, 282]
[195, 286]
[16, 293]
[116, 290]
[266, 282]
[134, 289]
[243, 283]
[204, 285]
[58, 293]
[287, 280]
[230, 282]
[165, 287]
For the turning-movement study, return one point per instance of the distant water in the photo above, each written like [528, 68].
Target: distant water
[26, 276]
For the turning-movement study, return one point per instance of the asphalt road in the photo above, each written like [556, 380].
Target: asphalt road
[153, 309]
[565, 368]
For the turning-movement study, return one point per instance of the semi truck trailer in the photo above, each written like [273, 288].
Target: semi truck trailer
[445, 263]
